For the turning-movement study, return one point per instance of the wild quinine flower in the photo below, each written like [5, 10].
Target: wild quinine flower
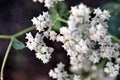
[85, 39]
[112, 69]
[76, 77]
[42, 21]
[42, 51]
[59, 73]
[85, 33]
[102, 15]
[48, 3]
[79, 14]
[100, 75]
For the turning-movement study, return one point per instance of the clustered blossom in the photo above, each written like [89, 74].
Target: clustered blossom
[48, 3]
[99, 75]
[59, 73]
[42, 23]
[79, 14]
[112, 69]
[82, 36]
[76, 77]
[42, 51]
[85, 39]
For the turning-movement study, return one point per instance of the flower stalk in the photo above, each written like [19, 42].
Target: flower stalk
[5, 58]
[12, 37]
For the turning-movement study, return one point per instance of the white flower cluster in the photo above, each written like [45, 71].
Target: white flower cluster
[60, 74]
[84, 34]
[48, 3]
[85, 39]
[42, 23]
[76, 77]
[42, 51]
[99, 75]
[112, 69]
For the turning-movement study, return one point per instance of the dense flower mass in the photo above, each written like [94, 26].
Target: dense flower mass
[82, 36]
[85, 39]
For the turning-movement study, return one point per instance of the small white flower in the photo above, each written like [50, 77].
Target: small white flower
[59, 73]
[112, 69]
[94, 57]
[42, 21]
[76, 77]
[42, 51]
[80, 14]
[102, 15]
[53, 35]
[97, 11]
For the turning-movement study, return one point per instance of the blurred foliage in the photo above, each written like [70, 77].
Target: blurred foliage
[114, 22]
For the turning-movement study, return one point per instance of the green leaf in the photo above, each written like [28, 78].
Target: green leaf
[102, 63]
[114, 25]
[58, 11]
[53, 14]
[62, 9]
[57, 25]
[18, 44]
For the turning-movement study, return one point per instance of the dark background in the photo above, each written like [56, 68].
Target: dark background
[16, 15]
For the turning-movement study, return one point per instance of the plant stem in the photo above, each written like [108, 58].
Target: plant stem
[5, 37]
[62, 20]
[17, 34]
[115, 38]
[5, 58]
[24, 31]
[12, 37]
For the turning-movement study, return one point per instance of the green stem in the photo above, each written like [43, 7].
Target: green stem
[5, 37]
[17, 34]
[102, 63]
[23, 32]
[62, 20]
[5, 58]
[115, 38]
[10, 45]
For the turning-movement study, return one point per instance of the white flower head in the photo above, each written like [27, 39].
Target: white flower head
[42, 51]
[42, 21]
[102, 15]
[112, 69]
[79, 14]
[76, 77]
[85, 39]
[59, 73]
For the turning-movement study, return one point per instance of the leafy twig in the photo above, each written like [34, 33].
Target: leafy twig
[12, 37]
